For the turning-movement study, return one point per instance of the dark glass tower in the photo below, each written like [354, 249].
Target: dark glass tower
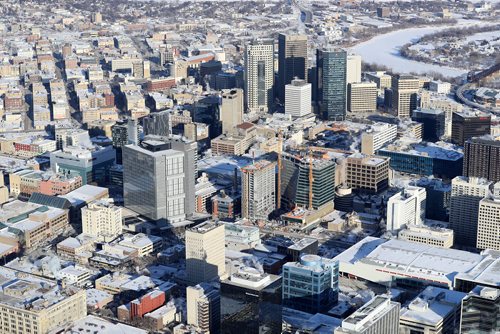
[292, 56]
[331, 84]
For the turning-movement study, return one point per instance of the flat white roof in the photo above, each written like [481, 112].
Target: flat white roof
[420, 260]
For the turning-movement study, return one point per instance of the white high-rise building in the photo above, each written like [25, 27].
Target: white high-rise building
[298, 96]
[488, 224]
[406, 208]
[203, 308]
[353, 69]
[258, 195]
[205, 252]
[259, 75]
[377, 136]
[466, 193]
[102, 219]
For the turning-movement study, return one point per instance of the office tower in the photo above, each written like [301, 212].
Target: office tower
[124, 133]
[438, 198]
[295, 181]
[92, 164]
[102, 219]
[406, 208]
[433, 121]
[298, 98]
[466, 125]
[377, 136]
[378, 316]
[258, 194]
[404, 94]
[382, 79]
[310, 285]
[353, 69]
[466, 193]
[251, 299]
[205, 252]
[158, 124]
[231, 110]
[482, 158]
[434, 310]
[292, 61]
[259, 75]
[480, 311]
[331, 84]
[158, 178]
[488, 224]
[35, 305]
[203, 308]
[367, 173]
[362, 97]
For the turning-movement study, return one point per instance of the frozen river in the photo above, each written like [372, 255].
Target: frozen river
[384, 50]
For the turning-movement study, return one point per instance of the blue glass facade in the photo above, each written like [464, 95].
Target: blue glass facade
[418, 164]
[310, 285]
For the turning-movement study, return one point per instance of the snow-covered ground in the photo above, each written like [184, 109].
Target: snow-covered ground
[384, 50]
[488, 36]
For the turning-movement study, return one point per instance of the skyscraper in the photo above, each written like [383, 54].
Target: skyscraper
[404, 94]
[258, 195]
[298, 98]
[295, 181]
[406, 208]
[205, 252]
[331, 84]
[310, 285]
[157, 123]
[488, 223]
[353, 69]
[231, 111]
[259, 75]
[482, 158]
[433, 121]
[158, 178]
[466, 193]
[124, 133]
[466, 125]
[292, 61]
[203, 308]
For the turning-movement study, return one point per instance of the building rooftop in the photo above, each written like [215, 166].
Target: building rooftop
[204, 227]
[85, 194]
[93, 324]
[432, 306]
[439, 150]
[25, 291]
[426, 262]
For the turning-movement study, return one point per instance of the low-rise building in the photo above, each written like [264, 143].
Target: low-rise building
[434, 236]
